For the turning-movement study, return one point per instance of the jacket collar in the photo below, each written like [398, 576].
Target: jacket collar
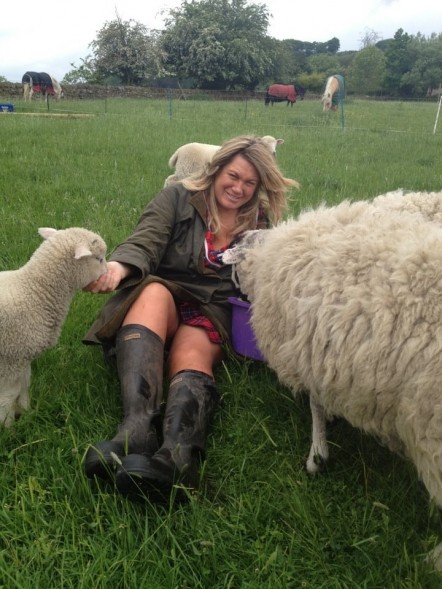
[199, 202]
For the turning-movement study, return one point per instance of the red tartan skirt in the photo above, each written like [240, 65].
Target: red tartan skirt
[191, 315]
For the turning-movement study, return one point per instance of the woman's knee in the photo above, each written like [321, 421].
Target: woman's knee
[156, 309]
[155, 291]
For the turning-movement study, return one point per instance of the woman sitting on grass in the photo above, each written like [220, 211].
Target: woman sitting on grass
[173, 295]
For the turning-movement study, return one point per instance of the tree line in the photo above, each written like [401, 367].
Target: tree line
[223, 45]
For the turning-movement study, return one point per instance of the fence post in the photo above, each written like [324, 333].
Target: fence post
[341, 102]
[169, 102]
[341, 95]
[437, 116]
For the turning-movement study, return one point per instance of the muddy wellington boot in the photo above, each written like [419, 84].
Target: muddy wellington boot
[191, 403]
[139, 353]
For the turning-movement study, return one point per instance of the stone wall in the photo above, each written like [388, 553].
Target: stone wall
[14, 91]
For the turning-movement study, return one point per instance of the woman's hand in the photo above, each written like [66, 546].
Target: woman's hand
[110, 280]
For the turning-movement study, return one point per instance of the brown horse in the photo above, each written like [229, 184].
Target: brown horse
[283, 93]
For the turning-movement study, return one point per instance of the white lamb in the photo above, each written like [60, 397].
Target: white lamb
[34, 301]
[346, 303]
[192, 157]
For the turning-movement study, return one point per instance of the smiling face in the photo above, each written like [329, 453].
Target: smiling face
[235, 184]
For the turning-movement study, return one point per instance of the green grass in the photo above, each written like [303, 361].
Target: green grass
[259, 521]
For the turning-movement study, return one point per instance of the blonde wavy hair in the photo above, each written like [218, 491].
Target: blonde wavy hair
[271, 191]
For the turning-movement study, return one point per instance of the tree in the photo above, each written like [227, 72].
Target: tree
[367, 71]
[384, 44]
[314, 82]
[308, 48]
[369, 38]
[325, 63]
[399, 60]
[127, 52]
[426, 72]
[330, 46]
[286, 67]
[221, 44]
[83, 74]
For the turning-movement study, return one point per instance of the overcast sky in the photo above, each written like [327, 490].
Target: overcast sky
[51, 35]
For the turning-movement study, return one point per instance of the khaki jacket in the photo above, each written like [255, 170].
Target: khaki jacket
[167, 246]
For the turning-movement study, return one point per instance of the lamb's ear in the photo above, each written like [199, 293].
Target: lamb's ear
[279, 141]
[81, 251]
[47, 232]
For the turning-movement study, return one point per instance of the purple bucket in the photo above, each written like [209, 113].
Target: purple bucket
[243, 338]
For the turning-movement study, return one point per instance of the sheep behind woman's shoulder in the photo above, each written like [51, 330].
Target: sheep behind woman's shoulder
[34, 301]
[352, 313]
[191, 158]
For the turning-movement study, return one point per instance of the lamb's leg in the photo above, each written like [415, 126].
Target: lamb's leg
[9, 393]
[14, 396]
[7, 412]
[318, 455]
[22, 402]
[434, 558]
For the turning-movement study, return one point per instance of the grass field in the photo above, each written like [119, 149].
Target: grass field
[259, 521]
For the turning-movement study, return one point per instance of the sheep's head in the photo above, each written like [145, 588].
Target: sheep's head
[84, 250]
[243, 257]
[272, 142]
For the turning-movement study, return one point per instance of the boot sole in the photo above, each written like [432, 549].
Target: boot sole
[135, 477]
[100, 461]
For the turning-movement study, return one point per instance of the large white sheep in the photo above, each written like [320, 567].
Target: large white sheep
[192, 157]
[346, 303]
[34, 301]
[427, 205]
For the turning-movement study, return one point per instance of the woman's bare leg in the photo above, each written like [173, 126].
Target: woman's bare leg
[192, 350]
[155, 308]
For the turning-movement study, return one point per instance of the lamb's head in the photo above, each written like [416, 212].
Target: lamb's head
[244, 257]
[272, 142]
[83, 250]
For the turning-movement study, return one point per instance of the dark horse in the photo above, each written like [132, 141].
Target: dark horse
[41, 82]
[284, 93]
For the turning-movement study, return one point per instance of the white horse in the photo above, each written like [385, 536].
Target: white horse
[42, 83]
[333, 93]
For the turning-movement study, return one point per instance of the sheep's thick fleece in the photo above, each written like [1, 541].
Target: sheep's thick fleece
[347, 305]
[34, 301]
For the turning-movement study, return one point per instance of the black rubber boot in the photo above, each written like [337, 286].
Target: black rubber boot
[191, 403]
[139, 353]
